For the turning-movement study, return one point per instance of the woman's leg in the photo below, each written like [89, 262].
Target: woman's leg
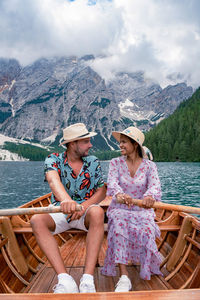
[123, 270]
[124, 283]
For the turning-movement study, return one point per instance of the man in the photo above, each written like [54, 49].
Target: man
[74, 177]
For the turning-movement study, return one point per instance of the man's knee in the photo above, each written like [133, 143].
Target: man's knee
[95, 215]
[35, 220]
[40, 222]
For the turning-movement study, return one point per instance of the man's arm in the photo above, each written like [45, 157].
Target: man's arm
[66, 203]
[98, 196]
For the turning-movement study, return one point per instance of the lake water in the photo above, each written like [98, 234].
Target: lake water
[21, 182]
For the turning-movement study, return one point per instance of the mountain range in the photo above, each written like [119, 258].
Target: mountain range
[39, 100]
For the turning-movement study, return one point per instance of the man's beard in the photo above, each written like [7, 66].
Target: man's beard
[83, 154]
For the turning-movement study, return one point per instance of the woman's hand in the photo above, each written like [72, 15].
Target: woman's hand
[148, 202]
[120, 197]
[124, 198]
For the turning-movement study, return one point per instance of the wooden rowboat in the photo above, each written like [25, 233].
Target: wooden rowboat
[26, 274]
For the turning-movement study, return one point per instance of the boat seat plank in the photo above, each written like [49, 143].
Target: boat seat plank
[29, 230]
[169, 227]
[26, 229]
[193, 294]
[22, 230]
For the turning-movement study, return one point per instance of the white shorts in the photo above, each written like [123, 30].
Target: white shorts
[62, 225]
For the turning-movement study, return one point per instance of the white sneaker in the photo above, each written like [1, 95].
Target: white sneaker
[124, 284]
[87, 286]
[66, 286]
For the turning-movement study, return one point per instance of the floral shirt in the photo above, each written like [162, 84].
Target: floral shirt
[81, 187]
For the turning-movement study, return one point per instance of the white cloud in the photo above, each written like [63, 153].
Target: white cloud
[31, 29]
[161, 37]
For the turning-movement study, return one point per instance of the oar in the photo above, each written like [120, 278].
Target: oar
[183, 208]
[33, 210]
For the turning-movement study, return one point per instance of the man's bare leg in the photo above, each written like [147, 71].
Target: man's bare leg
[42, 226]
[95, 221]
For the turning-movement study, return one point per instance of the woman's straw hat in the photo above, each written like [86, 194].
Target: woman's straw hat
[76, 132]
[133, 133]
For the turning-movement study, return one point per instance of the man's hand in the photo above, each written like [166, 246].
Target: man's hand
[75, 216]
[68, 206]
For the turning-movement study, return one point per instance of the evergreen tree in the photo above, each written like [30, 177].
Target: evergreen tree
[178, 136]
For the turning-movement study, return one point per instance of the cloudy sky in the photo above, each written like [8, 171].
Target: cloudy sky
[160, 37]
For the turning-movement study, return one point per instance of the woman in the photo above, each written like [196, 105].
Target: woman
[131, 229]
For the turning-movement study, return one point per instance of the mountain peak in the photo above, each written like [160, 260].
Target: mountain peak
[39, 100]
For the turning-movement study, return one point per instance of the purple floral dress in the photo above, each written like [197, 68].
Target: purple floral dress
[132, 231]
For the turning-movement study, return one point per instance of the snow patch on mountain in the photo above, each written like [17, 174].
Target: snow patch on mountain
[50, 139]
[4, 139]
[9, 156]
[132, 111]
[109, 146]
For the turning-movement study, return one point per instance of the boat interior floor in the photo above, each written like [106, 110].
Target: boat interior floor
[73, 254]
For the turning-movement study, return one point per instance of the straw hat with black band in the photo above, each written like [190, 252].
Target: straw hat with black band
[134, 134]
[76, 132]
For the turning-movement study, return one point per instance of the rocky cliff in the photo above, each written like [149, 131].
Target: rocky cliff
[39, 100]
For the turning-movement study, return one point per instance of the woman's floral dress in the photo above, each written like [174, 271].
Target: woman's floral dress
[132, 231]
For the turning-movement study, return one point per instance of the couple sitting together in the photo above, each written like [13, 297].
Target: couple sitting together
[75, 177]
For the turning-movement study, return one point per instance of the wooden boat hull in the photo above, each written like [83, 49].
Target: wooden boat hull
[25, 271]
[193, 294]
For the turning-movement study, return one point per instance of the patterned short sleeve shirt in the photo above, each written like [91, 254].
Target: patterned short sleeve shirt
[81, 187]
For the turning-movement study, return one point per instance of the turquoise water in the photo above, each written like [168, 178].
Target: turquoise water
[21, 182]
